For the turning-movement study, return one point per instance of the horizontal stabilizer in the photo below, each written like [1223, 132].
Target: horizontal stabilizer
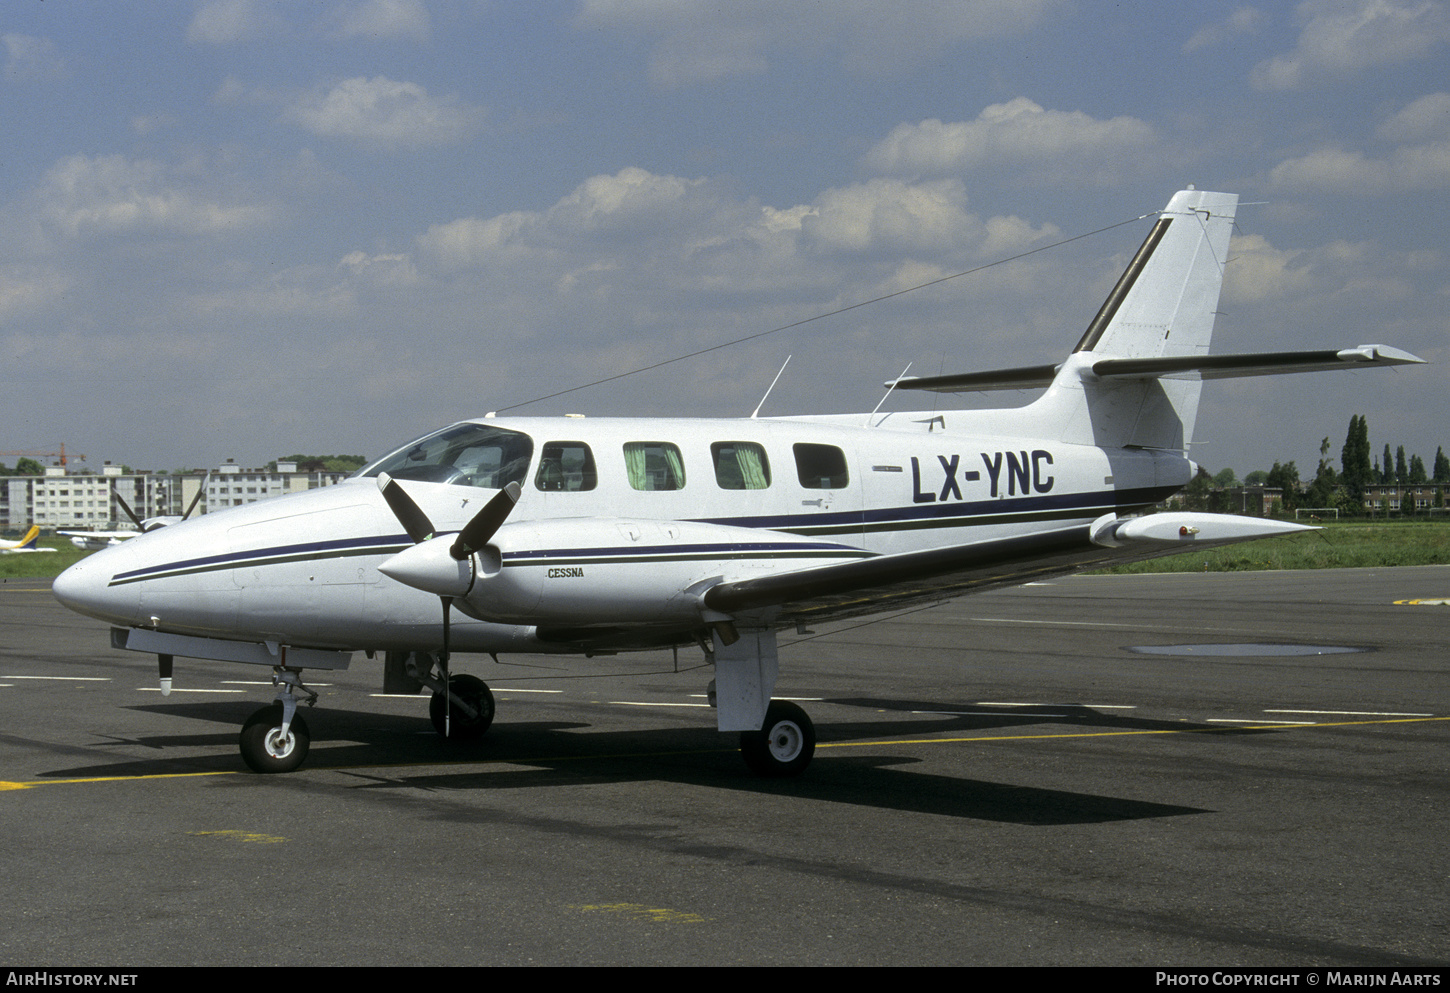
[1205, 366]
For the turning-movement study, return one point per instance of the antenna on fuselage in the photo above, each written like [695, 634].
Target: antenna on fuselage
[756, 411]
[889, 388]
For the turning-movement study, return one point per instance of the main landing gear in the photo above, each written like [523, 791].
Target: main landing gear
[784, 744]
[461, 712]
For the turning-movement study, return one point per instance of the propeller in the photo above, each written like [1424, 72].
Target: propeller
[426, 567]
[162, 521]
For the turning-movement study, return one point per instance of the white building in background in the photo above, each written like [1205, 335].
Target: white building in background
[86, 500]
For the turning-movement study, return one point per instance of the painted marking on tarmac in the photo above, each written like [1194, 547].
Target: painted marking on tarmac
[1427, 602]
[1352, 713]
[547, 761]
[251, 837]
[1260, 726]
[182, 689]
[640, 911]
[66, 679]
[652, 703]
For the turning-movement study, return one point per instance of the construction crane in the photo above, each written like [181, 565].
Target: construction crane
[45, 455]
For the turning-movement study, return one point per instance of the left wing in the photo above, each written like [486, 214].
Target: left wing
[890, 582]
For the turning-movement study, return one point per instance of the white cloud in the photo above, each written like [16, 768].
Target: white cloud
[1421, 162]
[701, 40]
[383, 19]
[105, 194]
[26, 289]
[223, 22]
[383, 111]
[1425, 118]
[1067, 143]
[1242, 21]
[1340, 37]
[31, 58]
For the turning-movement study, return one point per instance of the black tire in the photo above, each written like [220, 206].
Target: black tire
[463, 689]
[261, 748]
[784, 744]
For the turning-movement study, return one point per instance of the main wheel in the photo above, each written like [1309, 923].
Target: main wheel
[784, 744]
[473, 692]
[265, 749]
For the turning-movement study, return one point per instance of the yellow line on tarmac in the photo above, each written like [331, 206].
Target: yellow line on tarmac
[877, 743]
[1113, 734]
[113, 779]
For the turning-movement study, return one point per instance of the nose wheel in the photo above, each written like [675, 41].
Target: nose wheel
[268, 746]
[276, 738]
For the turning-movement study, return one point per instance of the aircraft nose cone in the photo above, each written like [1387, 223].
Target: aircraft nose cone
[84, 588]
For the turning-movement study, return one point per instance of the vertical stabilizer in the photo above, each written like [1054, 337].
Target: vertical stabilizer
[1163, 305]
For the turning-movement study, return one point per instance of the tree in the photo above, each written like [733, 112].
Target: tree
[1225, 478]
[1286, 478]
[1387, 472]
[1354, 460]
[29, 467]
[1442, 466]
[1402, 471]
[1259, 477]
[1417, 470]
[1322, 492]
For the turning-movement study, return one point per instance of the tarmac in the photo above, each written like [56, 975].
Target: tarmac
[1182, 770]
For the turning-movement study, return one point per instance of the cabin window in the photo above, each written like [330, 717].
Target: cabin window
[821, 467]
[654, 465]
[740, 465]
[462, 455]
[566, 467]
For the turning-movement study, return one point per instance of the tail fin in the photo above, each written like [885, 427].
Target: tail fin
[1134, 378]
[31, 539]
[1162, 306]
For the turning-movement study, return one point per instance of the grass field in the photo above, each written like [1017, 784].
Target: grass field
[1338, 546]
[38, 564]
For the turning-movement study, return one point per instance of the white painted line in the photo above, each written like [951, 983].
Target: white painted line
[259, 682]
[66, 679]
[510, 689]
[643, 703]
[400, 696]
[1092, 706]
[157, 689]
[978, 713]
[793, 699]
[1350, 713]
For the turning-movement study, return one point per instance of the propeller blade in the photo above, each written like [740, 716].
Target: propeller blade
[408, 513]
[197, 499]
[475, 533]
[127, 508]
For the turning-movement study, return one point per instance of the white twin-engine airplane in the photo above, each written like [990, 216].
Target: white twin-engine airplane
[595, 536]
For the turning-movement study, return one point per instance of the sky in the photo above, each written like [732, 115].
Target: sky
[248, 228]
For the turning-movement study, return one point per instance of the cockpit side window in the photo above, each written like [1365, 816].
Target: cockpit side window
[566, 467]
[463, 455]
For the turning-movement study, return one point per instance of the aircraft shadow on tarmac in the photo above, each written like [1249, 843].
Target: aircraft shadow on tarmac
[543, 754]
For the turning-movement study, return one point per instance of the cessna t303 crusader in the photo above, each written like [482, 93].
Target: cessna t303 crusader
[593, 536]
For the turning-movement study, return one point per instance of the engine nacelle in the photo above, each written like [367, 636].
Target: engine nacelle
[622, 571]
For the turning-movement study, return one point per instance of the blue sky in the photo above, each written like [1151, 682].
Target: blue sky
[240, 229]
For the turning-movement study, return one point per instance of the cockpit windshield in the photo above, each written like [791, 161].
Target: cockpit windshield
[463, 455]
